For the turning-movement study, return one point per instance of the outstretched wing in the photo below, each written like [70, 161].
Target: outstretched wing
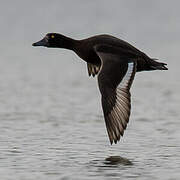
[114, 80]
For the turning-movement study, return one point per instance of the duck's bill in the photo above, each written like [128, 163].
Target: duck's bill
[42, 42]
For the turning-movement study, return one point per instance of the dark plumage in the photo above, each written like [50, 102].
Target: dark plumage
[116, 62]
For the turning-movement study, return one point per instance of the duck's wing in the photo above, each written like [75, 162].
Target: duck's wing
[114, 80]
[93, 69]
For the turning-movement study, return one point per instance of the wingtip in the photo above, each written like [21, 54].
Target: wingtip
[115, 141]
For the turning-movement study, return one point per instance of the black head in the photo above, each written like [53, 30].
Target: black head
[54, 40]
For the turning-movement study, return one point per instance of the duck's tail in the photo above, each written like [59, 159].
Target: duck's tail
[155, 65]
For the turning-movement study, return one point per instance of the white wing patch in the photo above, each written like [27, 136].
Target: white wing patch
[125, 81]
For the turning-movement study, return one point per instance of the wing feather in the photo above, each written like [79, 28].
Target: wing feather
[114, 80]
[93, 69]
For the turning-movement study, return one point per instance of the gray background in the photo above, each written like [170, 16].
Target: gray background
[51, 120]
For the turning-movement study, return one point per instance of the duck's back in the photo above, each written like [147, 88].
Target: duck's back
[87, 52]
[86, 49]
[109, 40]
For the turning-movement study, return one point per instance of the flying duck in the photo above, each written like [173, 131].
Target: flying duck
[115, 62]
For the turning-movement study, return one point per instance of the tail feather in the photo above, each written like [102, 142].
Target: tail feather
[158, 65]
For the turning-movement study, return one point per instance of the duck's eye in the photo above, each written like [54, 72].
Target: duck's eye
[52, 36]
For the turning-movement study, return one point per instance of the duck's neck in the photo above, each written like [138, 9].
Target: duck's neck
[67, 43]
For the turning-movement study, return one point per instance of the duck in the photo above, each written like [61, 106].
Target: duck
[115, 63]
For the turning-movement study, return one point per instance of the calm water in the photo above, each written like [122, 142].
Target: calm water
[51, 120]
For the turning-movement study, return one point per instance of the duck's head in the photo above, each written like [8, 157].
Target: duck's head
[53, 40]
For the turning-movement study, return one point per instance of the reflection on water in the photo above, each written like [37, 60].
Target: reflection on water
[110, 167]
[117, 160]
